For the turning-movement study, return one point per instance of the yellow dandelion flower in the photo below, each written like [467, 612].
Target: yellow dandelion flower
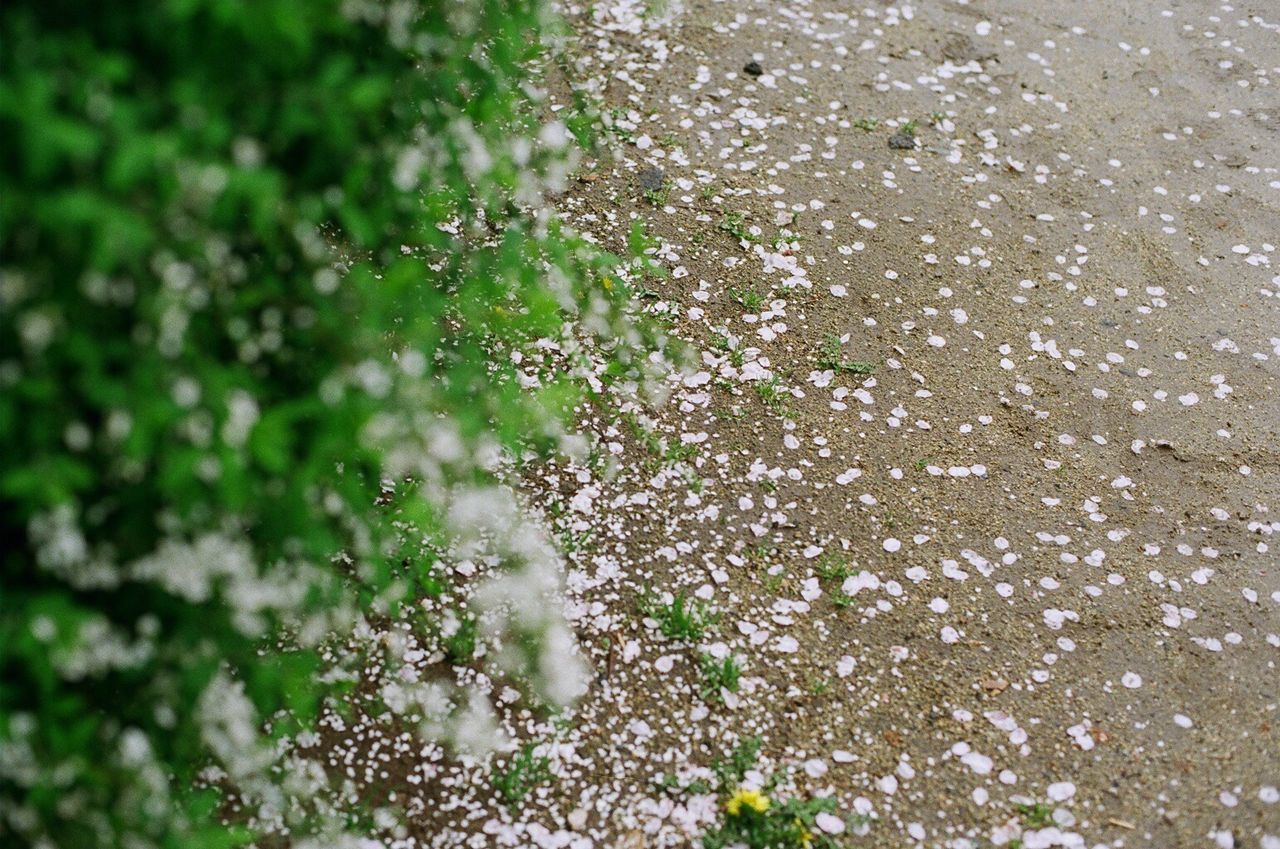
[803, 833]
[746, 797]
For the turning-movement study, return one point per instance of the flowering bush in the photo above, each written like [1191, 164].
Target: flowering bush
[266, 272]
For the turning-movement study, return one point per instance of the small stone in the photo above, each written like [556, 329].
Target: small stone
[902, 141]
[651, 179]
[752, 69]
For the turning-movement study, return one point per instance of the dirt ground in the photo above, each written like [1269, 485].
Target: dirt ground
[975, 462]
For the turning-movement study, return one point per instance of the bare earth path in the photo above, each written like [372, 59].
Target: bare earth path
[1031, 558]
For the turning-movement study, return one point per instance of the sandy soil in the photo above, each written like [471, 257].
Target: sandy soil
[1031, 556]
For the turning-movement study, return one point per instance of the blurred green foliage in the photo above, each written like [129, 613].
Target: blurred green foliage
[219, 219]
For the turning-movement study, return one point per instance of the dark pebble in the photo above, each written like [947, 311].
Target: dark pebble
[651, 179]
[752, 68]
[902, 141]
